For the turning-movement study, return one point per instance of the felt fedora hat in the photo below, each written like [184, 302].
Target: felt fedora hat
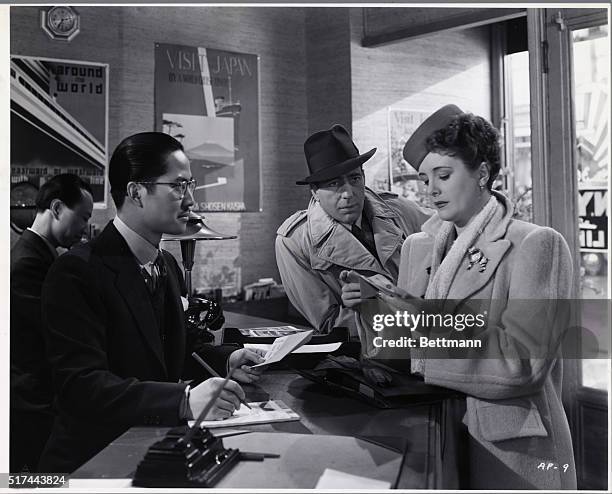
[331, 153]
[415, 148]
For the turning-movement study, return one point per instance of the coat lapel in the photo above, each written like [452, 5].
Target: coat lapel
[387, 235]
[174, 316]
[334, 244]
[469, 281]
[491, 243]
[130, 285]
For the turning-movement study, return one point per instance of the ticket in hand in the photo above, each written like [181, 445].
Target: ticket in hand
[377, 285]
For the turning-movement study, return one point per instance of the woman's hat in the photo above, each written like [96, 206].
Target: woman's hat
[415, 148]
[331, 153]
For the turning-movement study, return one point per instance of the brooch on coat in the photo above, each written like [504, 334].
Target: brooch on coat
[475, 256]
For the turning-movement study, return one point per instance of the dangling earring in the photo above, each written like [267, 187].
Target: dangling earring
[481, 186]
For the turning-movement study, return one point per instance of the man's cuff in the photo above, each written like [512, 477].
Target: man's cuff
[185, 409]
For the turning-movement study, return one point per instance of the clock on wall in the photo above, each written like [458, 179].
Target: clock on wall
[60, 22]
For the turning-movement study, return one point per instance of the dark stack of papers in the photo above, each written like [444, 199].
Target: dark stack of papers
[344, 374]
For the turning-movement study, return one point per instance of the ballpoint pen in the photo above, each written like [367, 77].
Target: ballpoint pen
[248, 456]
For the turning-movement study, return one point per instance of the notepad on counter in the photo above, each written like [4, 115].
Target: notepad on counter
[263, 412]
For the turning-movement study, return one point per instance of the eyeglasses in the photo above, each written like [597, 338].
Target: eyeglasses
[178, 188]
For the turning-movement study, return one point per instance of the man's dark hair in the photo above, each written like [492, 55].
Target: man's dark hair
[66, 187]
[472, 139]
[139, 157]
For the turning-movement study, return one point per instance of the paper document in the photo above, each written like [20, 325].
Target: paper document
[334, 479]
[283, 346]
[100, 484]
[271, 331]
[321, 348]
[377, 284]
[262, 412]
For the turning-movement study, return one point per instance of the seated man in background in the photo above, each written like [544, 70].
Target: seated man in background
[63, 208]
[114, 317]
[346, 226]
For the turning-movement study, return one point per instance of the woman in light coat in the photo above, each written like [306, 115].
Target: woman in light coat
[473, 257]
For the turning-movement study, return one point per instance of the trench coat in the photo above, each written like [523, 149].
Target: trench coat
[312, 249]
[514, 414]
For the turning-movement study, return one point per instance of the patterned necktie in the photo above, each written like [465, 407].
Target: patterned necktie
[155, 279]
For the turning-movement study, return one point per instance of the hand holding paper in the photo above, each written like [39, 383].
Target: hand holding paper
[283, 346]
[240, 360]
[377, 285]
[351, 289]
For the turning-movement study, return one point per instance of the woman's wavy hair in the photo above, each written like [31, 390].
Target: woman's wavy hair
[472, 139]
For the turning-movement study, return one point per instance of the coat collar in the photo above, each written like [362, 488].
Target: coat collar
[491, 232]
[335, 244]
[144, 251]
[37, 243]
[115, 253]
[491, 243]
[52, 250]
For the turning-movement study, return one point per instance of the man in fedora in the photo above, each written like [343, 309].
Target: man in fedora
[347, 226]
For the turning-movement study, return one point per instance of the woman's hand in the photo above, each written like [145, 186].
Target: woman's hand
[375, 375]
[351, 290]
[400, 304]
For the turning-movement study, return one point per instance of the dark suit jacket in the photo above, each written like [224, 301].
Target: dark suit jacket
[111, 368]
[31, 387]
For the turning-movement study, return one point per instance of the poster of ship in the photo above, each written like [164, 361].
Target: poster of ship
[209, 100]
[59, 122]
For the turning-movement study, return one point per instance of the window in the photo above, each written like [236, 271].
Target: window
[591, 72]
[517, 132]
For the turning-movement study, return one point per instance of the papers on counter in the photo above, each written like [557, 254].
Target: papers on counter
[263, 412]
[334, 479]
[283, 346]
[323, 348]
[274, 332]
[100, 484]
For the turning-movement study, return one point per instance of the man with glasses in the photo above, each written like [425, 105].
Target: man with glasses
[114, 315]
[347, 226]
